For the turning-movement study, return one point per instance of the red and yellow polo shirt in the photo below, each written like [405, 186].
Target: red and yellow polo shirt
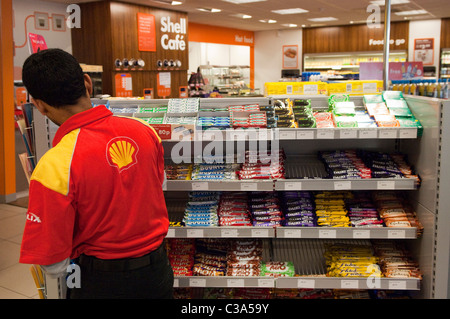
[98, 191]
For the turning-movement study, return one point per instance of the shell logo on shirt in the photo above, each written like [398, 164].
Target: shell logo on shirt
[121, 152]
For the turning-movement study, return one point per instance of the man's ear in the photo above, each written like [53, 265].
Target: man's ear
[88, 84]
[40, 105]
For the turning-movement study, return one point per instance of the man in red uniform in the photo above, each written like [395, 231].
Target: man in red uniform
[96, 196]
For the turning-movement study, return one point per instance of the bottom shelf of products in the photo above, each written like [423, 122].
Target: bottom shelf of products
[292, 264]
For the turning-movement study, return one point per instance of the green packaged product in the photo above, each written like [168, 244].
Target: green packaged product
[278, 269]
[337, 98]
[372, 98]
[346, 121]
[392, 95]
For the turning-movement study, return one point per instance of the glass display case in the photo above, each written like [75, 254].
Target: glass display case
[342, 65]
[226, 79]
[445, 63]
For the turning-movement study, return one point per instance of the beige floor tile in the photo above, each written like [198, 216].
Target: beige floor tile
[12, 226]
[9, 254]
[8, 294]
[18, 278]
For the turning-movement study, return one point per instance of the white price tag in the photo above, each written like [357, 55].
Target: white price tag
[305, 135]
[327, 233]
[310, 89]
[386, 185]
[408, 133]
[368, 133]
[194, 233]
[325, 134]
[287, 135]
[249, 186]
[397, 284]
[176, 282]
[200, 186]
[387, 133]
[348, 133]
[235, 282]
[342, 185]
[197, 282]
[369, 87]
[229, 232]
[260, 233]
[266, 283]
[396, 233]
[361, 233]
[292, 233]
[349, 284]
[306, 283]
[171, 233]
[293, 186]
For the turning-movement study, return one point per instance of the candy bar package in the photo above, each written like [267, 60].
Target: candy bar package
[262, 165]
[278, 269]
[264, 208]
[298, 208]
[201, 209]
[181, 255]
[244, 258]
[347, 260]
[207, 171]
[233, 209]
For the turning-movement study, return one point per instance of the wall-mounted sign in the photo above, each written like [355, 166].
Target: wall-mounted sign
[146, 32]
[395, 42]
[290, 56]
[397, 70]
[124, 85]
[164, 83]
[174, 34]
[424, 51]
[36, 43]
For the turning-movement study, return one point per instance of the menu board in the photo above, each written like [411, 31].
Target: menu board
[146, 32]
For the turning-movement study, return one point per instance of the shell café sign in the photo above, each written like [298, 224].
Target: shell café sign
[173, 37]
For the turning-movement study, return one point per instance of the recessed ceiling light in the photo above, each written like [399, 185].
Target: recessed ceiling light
[322, 19]
[242, 16]
[411, 12]
[382, 2]
[268, 21]
[243, 1]
[176, 3]
[209, 10]
[290, 25]
[290, 11]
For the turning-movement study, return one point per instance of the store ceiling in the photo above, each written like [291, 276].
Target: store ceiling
[344, 11]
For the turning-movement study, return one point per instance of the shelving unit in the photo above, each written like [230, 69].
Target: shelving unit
[304, 245]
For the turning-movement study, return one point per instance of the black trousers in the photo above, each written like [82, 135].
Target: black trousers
[151, 281]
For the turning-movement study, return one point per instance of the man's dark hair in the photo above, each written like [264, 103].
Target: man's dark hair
[54, 76]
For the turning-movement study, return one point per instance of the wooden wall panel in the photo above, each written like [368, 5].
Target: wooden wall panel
[351, 38]
[445, 33]
[92, 43]
[109, 31]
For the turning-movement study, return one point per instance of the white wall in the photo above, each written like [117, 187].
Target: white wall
[268, 54]
[425, 29]
[217, 54]
[54, 39]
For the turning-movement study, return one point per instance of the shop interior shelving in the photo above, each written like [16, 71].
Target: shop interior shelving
[304, 246]
[338, 61]
[445, 64]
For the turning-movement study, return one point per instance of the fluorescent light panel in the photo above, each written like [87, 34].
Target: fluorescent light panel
[411, 12]
[393, 2]
[290, 25]
[243, 1]
[268, 21]
[290, 11]
[322, 19]
[212, 10]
